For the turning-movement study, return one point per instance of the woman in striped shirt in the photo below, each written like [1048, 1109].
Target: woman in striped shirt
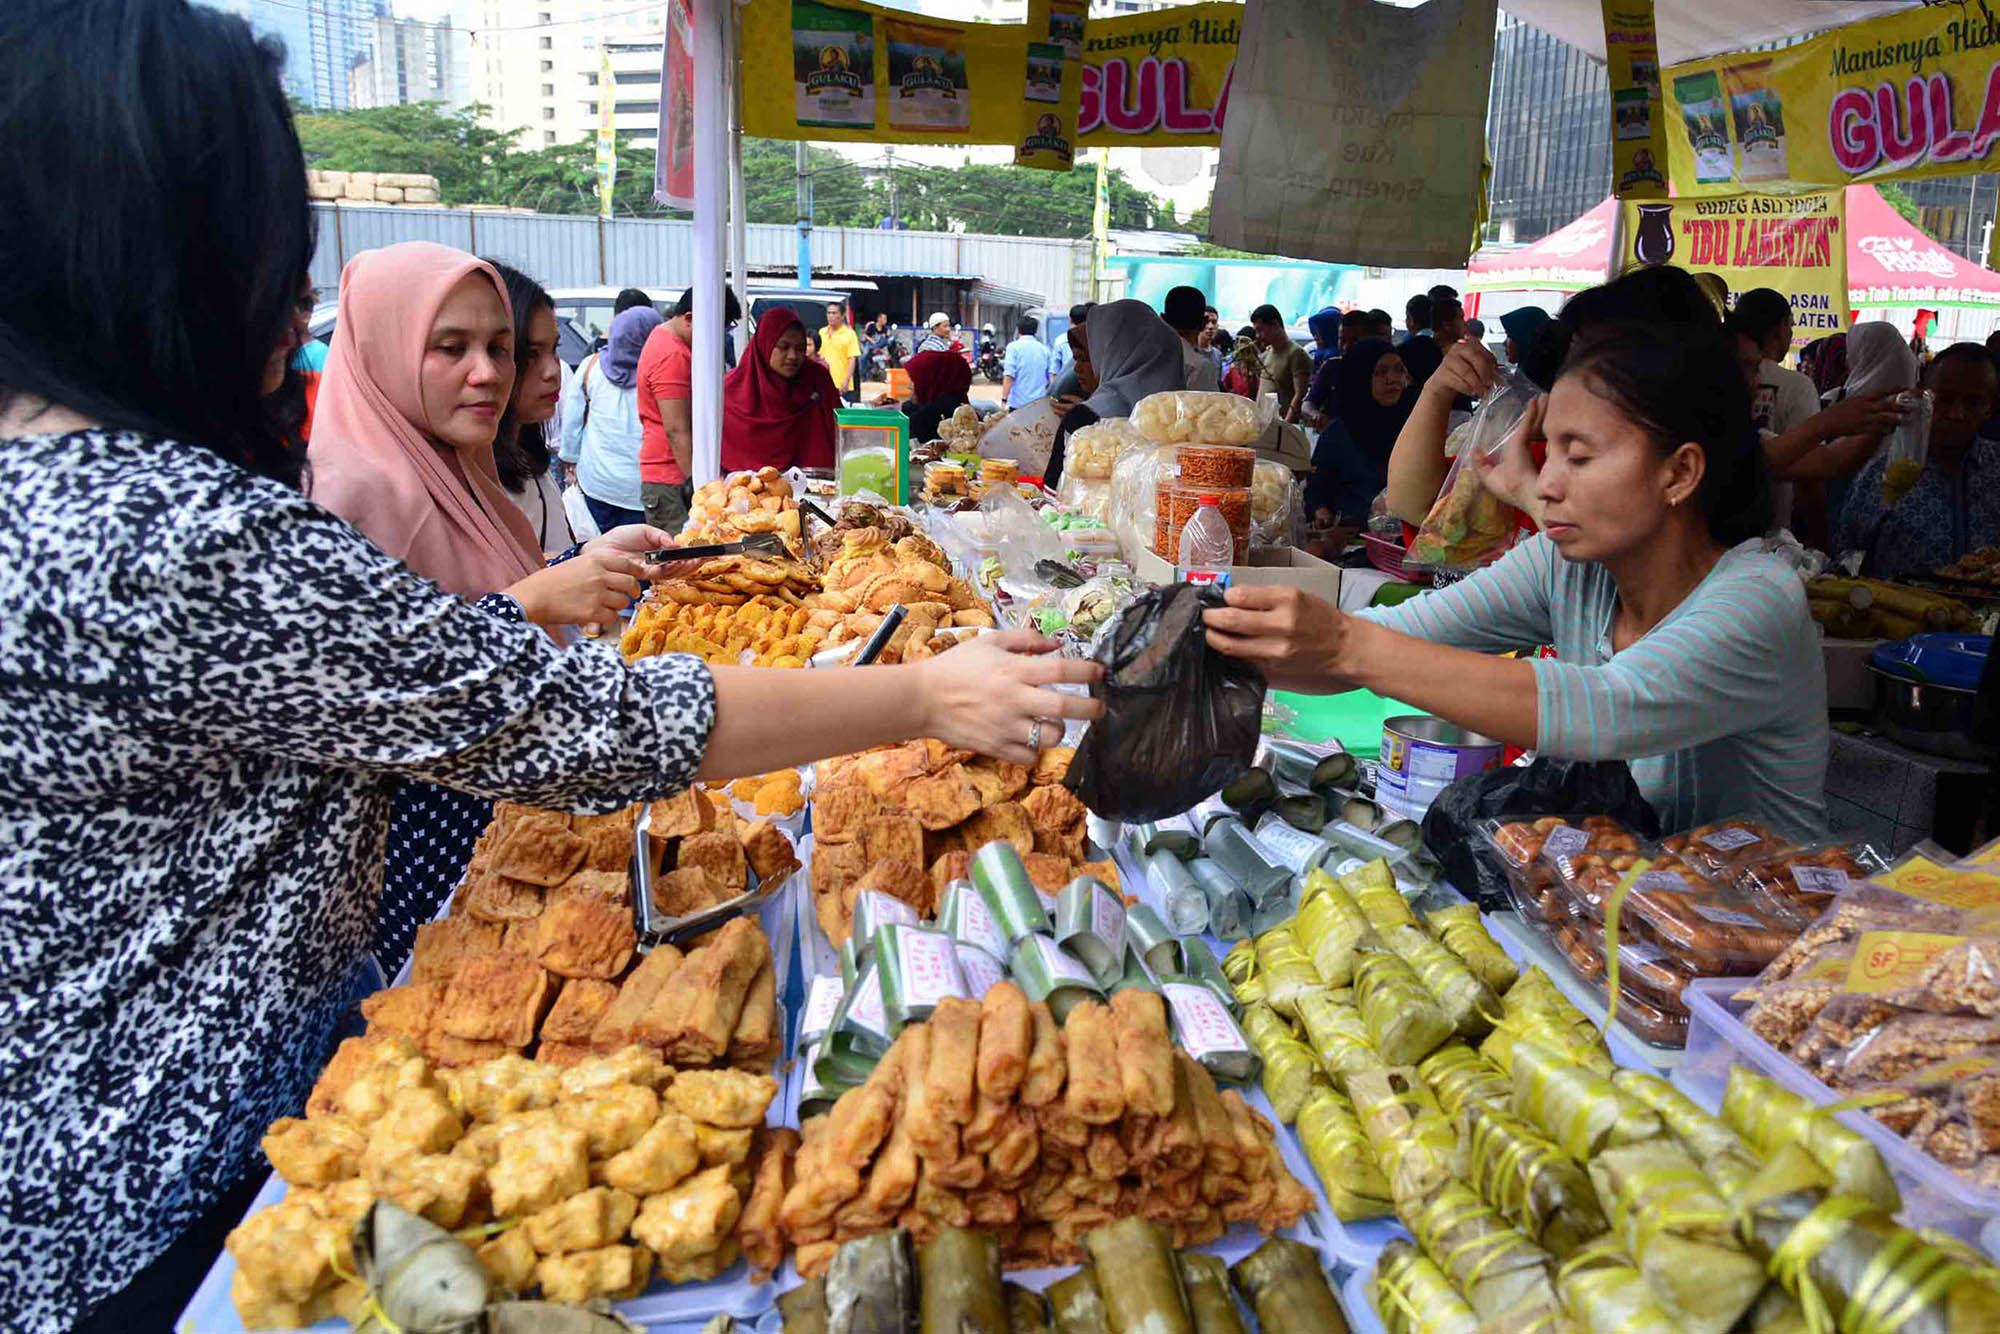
[1681, 647]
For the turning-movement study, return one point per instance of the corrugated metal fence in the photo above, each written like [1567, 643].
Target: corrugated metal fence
[563, 250]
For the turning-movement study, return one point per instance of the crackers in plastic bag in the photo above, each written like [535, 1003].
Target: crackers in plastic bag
[1181, 416]
[1093, 449]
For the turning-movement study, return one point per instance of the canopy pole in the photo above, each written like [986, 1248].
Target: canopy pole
[711, 135]
[739, 218]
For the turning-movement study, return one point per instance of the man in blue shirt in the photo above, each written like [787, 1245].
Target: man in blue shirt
[1025, 367]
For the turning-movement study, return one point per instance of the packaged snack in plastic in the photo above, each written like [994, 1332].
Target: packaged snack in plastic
[1135, 480]
[1583, 957]
[1093, 450]
[1271, 493]
[1646, 972]
[1468, 526]
[1590, 878]
[1204, 416]
[1716, 849]
[1212, 467]
[1085, 495]
[1532, 876]
[1964, 979]
[1907, 1042]
[1706, 928]
[1804, 881]
[1661, 1025]
[1899, 899]
[1784, 1010]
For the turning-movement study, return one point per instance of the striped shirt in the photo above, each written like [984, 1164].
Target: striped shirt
[1720, 709]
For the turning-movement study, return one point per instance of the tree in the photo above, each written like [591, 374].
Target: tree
[424, 137]
[1896, 197]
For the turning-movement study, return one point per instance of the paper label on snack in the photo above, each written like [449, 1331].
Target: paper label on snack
[1201, 1023]
[1289, 847]
[1639, 951]
[1062, 967]
[1107, 918]
[867, 1010]
[1667, 882]
[886, 909]
[1922, 878]
[822, 1003]
[930, 969]
[1890, 960]
[1727, 916]
[1565, 841]
[1723, 840]
[1821, 879]
[975, 926]
[982, 972]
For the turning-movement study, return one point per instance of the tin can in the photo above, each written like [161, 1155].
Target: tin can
[1422, 756]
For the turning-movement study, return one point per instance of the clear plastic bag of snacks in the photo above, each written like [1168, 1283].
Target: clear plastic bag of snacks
[1922, 891]
[1275, 504]
[1204, 416]
[1135, 481]
[1095, 449]
[1085, 495]
[1706, 928]
[1715, 849]
[1589, 878]
[1804, 880]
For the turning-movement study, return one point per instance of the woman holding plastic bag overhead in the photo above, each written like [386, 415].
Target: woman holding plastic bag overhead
[1372, 398]
[1681, 647]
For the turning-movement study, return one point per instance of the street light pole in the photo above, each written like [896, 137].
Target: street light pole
[804, 185]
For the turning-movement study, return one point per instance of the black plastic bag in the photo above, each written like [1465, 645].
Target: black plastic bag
[1180, 720]
[1545, 787]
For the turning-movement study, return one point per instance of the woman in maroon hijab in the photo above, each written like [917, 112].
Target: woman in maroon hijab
[939, 385]
[778, 404]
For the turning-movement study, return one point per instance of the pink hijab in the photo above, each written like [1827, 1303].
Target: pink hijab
[372, 461]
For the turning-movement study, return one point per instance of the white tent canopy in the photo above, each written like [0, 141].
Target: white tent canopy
[1690, 29]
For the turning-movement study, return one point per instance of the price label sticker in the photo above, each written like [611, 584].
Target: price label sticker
[1564, 841]
[1726, 840]
[1821, 879]
[1726, 916]
[1654, 882]
[1889, 960]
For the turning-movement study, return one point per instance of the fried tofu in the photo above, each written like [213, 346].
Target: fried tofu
[1048, 874]
[620, 1021]
[719, 853]
[769, 852]
[498, 998]
[579, 1005]
[1052, 765]
[1105, 872]
[685, 891]
[537, 847]
[317, 1152]
[442, 946]
[583, 1222]
[540, 1164]
[493, 897]
[563, 1055]
[952, 866]
[682, 815]
[899, 880]
[585, 938]
[520, 937]
[894, 834]
[435, 1186]
[494, 1090]
[612, 1119]
[403, 1011]
[608, 840]
[835, 866]
[659, 1160]
[721, 1144]
[364, 1074]
[693, 1015]
[1058, 821]
[509, 1261]
[578, 1277]
[702, 1268]
[1008, 821]
[612, 887]
[447, 1052]
[729, 1098]
[417, 1121]
[692, 1219]
[839, 812]
[997, 780]
[944, 799]
[888, 773]
[631, 1064]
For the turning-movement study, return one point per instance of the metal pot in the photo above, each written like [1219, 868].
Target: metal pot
[1931, 718]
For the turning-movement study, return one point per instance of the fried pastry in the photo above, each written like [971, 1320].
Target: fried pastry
[520, 938]
[447, 1052]
[892, 834]
[658, 1160]
[840, 812]
[888, 773]
[585, 937]
[1145, 1051]
[685, 891]
[316, 1152]
[757, 1229]
[723, 1097]
[954, 1027]
[1006, 1034]
[443, 946]
[692, 1219]
[608, 840]
[682, 815]
[403, 1011]
[755, 1037]
[497, 998]
[694, 1014]
[495, 1090]
[1057, 819]
[898, 879]
[537, 847]
[769, 852]
[719, 853]
[1105, 873]
[947, 868]
[944, 799]
[1043, 1080]
[835, 866]
[1006, 821]
[632, 1064]
[564, 1055]
[579, 1005]
[1052, 765]
[492, 897]
[619, 1026]
[610, 887]
[997, 780]
[1095, 1094]
[583, 1222]
[618, 1273]
[1046, 873]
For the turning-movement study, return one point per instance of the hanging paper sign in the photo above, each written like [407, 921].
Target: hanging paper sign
[1065, 26]
[1049, 137]
[929, 87]
[833, 66]
[1705, 119]
[673, 168]
[1638, 136]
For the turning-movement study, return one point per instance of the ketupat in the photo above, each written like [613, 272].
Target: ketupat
[1770, 1117]
[1404, 1021]
[1412, 1139]
[1496, 1269]
[1670, 1220]
[1528, 1180]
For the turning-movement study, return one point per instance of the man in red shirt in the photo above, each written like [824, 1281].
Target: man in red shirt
[666, 414]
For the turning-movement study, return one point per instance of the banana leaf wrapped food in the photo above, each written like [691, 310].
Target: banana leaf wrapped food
[1846, 1257]
[1075, 1304]
[1331, 927]
[1027, 1310]
[1342, 1155]
[1496, 1269]
[1403, 1019]
[1534, 992]
[1770, 1117]
[1285, 1285]
[1413, 1141]
[1458, 1075]
[1284, 968]
[1469, 1003]
[1606, 1294]
[1669, 1219]
[871, 1286]
[1336, 1035]
[1721, 1152]
[1205, 1278]
[959, 1288]
[1777, 1312]
[803, 1309]
[1413, 1296]
[1240, 963]
[1143, 1294]
[1528, 1181]
[1581, 1110]
[1290, 1068]
[1373, 888]
[1459, 927]
[1547, 1031]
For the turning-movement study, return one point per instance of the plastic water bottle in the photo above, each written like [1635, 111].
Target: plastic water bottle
[1207, 547]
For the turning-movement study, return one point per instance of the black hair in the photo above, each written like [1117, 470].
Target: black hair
[1476, 327]
[520, 449]
[1184, 309]
[1266, 314]
[1973, 352]
[1027, 326]
[1444, 308]
[1684, 388]
[732, 308]
[1418, 311]
[1246, 332]
[1662, 295]
[1758, 313]
[1206, 311]
[1080, 312]
[1443, 292]
[1354, 319]
[1382, 319]
[157, 232]
[628, 299]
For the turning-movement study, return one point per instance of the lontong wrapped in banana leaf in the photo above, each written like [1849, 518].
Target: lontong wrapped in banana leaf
[1548, 1031]
[1721, 1152]
[1527, 1180]
[1287, 1288]
[1331, 927]
[1495, 1268]
[1403, 1019]
[1469, 1003]
[1240, 963]
[1285, 970]
[1459, 927]
[1413, 1296]
[1778, 1312]
[1534, 993]
[1845, 1256]
[1206, 1280]
[1669, 1219]
[419, 1276]
[1027, 1310]
[1770, 1117]
[803, 1309]
[1412, 1139]
[1290, 1068]
[871, 1286]
[1340, 1153]
[959, 1288]
[1336, 1035]
[1374, 889]
[1459, 1075]
[1581, 1110]
[1605, 1294]
[1143, 1294]
[1076, 1306]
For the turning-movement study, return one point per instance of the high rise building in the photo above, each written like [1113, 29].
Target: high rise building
[537, 65]
[323, 40]
[1958, 211]
[412, 61]
[1548, 132]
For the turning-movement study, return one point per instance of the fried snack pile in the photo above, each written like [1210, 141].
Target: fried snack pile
[870, 572]
[756, 631]
[733, 507]
[989, 1116]
[618, 1170]
[540, 945]
[775, 793]
[905, 821]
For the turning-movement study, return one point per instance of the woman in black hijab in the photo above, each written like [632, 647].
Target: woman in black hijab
[1372, 396]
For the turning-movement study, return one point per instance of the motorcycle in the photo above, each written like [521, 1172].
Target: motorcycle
[989, 360]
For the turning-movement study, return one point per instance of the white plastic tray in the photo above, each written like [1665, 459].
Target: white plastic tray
[1362, 1317]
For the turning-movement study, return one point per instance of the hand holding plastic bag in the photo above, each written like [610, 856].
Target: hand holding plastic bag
[1469, 525]
[1180, 719]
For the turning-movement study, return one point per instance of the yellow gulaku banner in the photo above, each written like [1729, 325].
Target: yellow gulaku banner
[1795, 244]
[1910, 94]
[849, 71]
[1053, 85]
[1638, 127]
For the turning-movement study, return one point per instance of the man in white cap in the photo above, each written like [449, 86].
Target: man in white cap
[937, 334]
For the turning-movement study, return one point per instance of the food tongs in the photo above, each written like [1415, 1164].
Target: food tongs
[757, 544]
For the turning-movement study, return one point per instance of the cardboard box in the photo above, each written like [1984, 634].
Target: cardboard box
[1281, 566]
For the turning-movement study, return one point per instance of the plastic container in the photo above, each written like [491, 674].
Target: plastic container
[1206, 541]
[1588, 879]
[1710, 930]
[1716, 850]
[1532, 876]
[1362, 1317]
[1215, 467]
[1805, 881]
[1933, 1194]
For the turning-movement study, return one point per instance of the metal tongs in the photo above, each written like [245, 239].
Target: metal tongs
[761, 544]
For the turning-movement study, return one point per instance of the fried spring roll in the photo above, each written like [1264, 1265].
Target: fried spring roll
[1006, 1038]
[933, 1136]
[893, 1179]
[694, 1014]
[819, 1185]
[954, 1058]
[861, 1119]
[618, 1025]
[1218, 1136]
[1095, 1094]
[757, 1229]
[1014, 1153]
[1044, 1079]
[983, 1130]
[1145, 1051]
[936, 1201]
[1249, 1143]
[755, 1036]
